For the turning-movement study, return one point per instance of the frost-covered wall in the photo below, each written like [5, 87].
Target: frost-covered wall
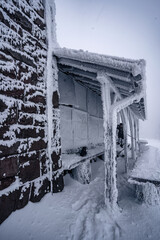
[81, 115]
[24, 164]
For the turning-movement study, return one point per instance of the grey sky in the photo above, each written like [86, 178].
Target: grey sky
[124, 28]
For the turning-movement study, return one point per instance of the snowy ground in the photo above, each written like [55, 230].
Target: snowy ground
[78, 213]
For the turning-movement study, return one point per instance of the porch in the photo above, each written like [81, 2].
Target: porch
[120, 84]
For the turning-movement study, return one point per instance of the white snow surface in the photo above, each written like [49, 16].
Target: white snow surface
[78, 213]
[148, 166]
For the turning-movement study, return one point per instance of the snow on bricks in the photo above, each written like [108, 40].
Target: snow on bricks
[24, 156]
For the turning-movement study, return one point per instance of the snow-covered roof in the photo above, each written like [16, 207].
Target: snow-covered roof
[127, 75]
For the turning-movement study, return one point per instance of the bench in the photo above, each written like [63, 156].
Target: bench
[146, 175]
[79, 166]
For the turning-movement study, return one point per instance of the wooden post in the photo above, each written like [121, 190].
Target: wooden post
[132, 136]
[135, 136]
[138, 136]
[124, 120]
[111, 192]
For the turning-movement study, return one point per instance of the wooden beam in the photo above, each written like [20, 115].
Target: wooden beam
[118, 82]
[103, 77]
[86, 80]
[124, 92]
[77, 71]
[93, 88]
[91, 67]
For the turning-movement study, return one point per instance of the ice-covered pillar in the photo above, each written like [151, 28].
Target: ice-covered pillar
[138, 144]
[53, 112]
[135, 136]
[124, 120]
[132, 135]
[110, 123]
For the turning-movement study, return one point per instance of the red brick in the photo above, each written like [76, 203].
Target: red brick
[45, 188]
[8, 167]
[7, 205]
[40, 12]
[39, 23]
[29, 172]
[12, 116]
[24, 119]
[4, 20]
[38, 145]
[42, 109]
[29, 133]
[39, 123]
[9, 150]
[3, 130]
[55, 159]
[3, 106]
[57, 184]
[29, 109]
[22, 197]
[38, 99]
[43, 158]
[15, 93]
[9, 73]
[4, 183]
[23, 158]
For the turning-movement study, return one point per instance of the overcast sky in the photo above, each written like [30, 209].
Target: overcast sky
[124, 28]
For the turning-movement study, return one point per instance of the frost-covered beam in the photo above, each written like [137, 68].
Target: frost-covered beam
[124, 93]
[123, 103]
[94, 68]
[123, 85]
[103, 77]
[86, 80]
[77, 71]
[92, 87]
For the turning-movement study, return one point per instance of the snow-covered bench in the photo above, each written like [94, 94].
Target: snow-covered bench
[80, 165]
[146, 175]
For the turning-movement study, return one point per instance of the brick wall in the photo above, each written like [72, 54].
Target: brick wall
[24, 164]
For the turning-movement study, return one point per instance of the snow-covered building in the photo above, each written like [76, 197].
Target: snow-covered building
[55, 103]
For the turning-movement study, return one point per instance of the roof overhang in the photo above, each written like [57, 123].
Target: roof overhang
[128, 76]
